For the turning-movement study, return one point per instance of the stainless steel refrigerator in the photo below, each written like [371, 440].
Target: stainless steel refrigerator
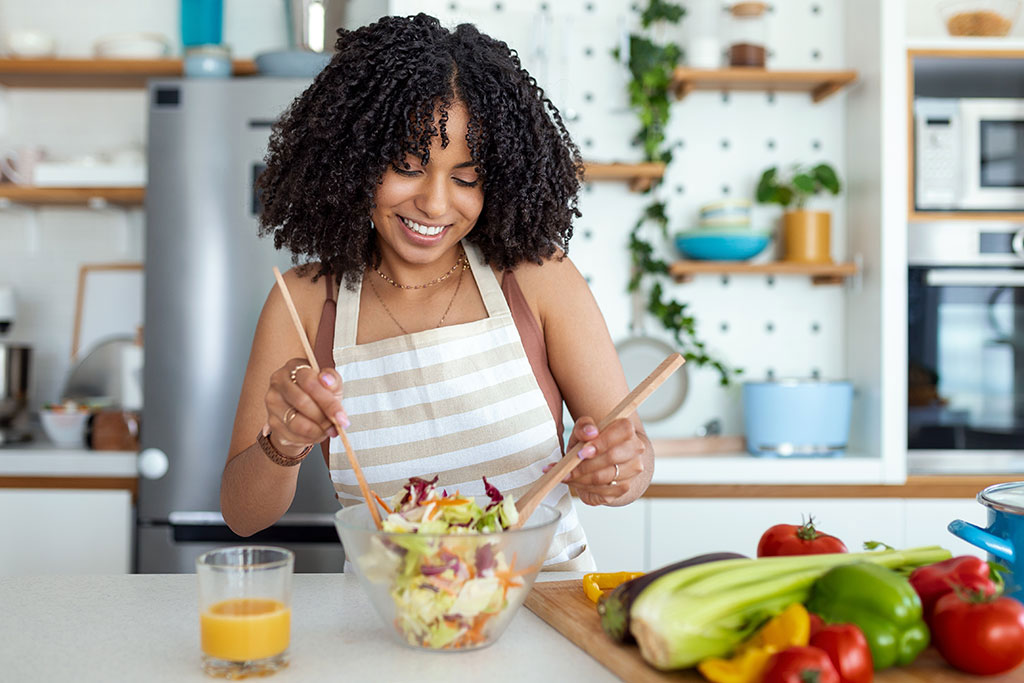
[207, 275]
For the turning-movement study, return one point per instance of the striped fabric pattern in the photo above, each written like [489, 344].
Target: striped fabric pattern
[460, 402]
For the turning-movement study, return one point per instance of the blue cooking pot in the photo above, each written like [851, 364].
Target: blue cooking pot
[1004, 536]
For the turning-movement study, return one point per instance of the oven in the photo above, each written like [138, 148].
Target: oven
[965, 382]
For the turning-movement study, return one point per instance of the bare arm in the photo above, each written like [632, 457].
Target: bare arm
[584, 362]
[255, 491]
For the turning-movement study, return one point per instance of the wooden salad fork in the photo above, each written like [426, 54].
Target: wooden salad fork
[543, 486]
[311, 359]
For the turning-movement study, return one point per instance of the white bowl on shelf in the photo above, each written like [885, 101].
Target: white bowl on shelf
[132, 46]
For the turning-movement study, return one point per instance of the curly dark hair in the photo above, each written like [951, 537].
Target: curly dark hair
[375, 103]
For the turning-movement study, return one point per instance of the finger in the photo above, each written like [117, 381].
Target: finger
[289, 424]
[619, 472]
[609, 443]
[324, 388]
[600, 495]
[308, 395]
[584, 430]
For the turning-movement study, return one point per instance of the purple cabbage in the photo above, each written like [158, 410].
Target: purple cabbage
[484, 558]
[416, 489]
[493, 492]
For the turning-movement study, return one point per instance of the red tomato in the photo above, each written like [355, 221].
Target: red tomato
[848, 650]
[799, 665]
[979, 635]
[790, 539]
[817, 623]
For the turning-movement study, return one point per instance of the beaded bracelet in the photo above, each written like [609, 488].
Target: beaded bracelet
[279, 457]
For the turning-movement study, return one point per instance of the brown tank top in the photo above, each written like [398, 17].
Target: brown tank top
[529, 332]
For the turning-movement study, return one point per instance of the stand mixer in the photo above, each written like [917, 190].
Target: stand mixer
[14, 364]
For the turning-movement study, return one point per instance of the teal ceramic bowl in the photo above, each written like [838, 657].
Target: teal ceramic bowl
[711, 244]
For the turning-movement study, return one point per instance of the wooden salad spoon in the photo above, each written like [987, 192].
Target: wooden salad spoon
[543, 486]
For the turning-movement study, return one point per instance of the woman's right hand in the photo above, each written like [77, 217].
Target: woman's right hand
[298, 404]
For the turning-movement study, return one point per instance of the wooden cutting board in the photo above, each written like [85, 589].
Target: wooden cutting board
[563, 605]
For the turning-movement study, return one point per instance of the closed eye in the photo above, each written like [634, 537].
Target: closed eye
[404, 172]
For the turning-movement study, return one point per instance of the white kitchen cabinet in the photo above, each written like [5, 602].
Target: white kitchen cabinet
[617, 535]
[65, 531]
[683, 528]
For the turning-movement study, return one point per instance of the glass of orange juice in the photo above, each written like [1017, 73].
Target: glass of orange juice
[245, 595]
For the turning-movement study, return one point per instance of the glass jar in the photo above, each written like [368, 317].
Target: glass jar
[748, 34]
[703, 45]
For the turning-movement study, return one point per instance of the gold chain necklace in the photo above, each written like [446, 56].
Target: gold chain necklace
[458, 283]
[438, 280]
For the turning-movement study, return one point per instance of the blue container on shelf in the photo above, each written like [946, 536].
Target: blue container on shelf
[797, 417]
[722, 244]
[202, 22]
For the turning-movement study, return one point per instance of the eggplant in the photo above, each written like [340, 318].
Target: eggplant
[614, 607]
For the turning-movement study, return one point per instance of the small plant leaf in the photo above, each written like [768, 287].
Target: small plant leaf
[826, 175]
[804, 183]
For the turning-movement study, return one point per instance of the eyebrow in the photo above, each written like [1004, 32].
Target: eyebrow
[466, 164]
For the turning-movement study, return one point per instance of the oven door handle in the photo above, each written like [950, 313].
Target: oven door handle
[974, 277]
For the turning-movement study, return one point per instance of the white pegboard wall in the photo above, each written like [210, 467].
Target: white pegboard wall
[779, 326]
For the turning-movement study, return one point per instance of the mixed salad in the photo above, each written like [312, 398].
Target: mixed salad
[448, 581]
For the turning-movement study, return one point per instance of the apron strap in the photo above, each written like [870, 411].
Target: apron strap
[490, 290]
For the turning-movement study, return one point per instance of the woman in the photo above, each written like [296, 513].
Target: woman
[426, 176]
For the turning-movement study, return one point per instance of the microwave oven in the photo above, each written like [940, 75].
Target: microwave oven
[969, 154]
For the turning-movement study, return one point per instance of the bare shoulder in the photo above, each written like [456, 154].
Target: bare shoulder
[307, 295]
[553, 286]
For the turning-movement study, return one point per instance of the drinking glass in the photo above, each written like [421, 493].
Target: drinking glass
[245, 595]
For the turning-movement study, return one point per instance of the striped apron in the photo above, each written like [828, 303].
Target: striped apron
[460, 402]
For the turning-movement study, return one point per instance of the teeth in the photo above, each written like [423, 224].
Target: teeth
[426, 230]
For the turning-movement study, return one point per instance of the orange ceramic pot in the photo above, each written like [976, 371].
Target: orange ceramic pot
[806, 236]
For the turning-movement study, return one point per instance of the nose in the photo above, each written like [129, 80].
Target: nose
[434, 200]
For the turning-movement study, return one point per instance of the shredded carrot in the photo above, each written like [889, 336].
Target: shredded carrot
[452, 501]
[382, 503]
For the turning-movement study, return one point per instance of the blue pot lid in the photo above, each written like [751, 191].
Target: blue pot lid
[1008, 497]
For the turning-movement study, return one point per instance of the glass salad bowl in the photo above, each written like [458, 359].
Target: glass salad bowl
[446, 591]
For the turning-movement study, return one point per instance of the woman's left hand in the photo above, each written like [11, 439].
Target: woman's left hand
[613, 462]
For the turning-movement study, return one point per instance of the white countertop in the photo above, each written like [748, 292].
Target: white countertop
[43, 459]
[146, 628]
[46, 460]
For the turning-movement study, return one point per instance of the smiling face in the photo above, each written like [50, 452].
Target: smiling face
[424, 210]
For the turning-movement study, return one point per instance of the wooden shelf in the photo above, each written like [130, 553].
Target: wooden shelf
[640, 176]
[931, 216]
[820, 84]
[89, 196]
[820, 273]
[96, 73]
[966, 48]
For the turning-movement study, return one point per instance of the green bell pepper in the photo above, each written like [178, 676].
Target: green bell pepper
[878, 600]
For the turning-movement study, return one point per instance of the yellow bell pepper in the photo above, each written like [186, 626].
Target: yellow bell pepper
[789, 629]
[595, 584]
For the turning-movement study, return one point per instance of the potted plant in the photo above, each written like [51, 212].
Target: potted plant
[805, 233]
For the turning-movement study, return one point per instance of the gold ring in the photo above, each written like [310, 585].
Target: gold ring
[296, 369]
[615, 479]
[289, 415]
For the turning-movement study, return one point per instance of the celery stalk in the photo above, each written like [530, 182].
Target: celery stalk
[707, 610]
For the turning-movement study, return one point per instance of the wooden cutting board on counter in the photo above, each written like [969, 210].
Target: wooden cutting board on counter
[563, 606]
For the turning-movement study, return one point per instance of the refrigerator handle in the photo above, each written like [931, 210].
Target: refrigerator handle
[152, 463]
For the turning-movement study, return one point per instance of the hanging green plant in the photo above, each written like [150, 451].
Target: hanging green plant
[651, 66]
